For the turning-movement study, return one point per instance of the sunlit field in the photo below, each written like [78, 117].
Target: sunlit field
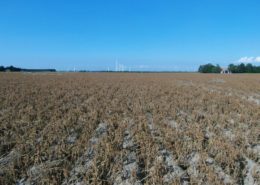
[129, 128]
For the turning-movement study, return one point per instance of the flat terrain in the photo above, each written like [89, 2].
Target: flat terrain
[122, 128]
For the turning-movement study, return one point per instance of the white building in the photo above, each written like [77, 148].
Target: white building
[225, 71]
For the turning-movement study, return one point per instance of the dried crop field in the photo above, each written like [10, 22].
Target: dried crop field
[126, 128]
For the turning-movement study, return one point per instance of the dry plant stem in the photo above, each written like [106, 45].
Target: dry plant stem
[129, 128]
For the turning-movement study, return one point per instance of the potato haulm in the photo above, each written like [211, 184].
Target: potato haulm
[129, 128]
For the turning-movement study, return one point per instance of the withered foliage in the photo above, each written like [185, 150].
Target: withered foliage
[126, 128]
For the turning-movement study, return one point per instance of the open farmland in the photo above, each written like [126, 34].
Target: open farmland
[126, 128]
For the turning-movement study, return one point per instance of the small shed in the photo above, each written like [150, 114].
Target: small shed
[225, 71]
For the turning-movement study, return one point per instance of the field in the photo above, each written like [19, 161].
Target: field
[126, 128]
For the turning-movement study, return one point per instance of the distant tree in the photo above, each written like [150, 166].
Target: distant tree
[242, 68]
[233, 68]
[257, 69]
[2, 68]
[216, 69]
[13, 69]
[249, 68]
[209, 68]
[16, 69]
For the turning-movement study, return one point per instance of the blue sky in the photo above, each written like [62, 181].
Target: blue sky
[139, 34]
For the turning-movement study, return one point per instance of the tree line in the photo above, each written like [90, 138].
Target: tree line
[209, 68]
[17, 69]
[10, 68]
[240, 68]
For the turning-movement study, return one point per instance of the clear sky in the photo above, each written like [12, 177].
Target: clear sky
[139, 34]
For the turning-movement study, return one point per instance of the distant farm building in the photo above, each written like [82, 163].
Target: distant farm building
[225, 71]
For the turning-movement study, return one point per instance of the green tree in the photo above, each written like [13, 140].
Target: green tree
[13, 69]
[209, 68]
[249, 68]
[216, 69]
[232, 68]
[242, 68]
[2, 68]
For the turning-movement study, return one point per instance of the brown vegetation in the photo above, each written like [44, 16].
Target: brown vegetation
[105, 128]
